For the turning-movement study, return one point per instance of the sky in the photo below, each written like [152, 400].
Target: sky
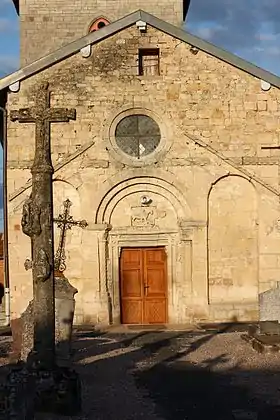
[247, 28]
[9, 38]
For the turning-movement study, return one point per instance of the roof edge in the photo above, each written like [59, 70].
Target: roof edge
[69, 50]
[16, 4]
[94, 37]
[212, 49]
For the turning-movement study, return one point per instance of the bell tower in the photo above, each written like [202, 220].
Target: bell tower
[47, 25]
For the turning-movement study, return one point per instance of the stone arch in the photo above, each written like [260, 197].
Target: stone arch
[18, 202]
[159, 182]
[163, 200]
[230, 174]
[73, 179]
[232, 242]
[61, 191]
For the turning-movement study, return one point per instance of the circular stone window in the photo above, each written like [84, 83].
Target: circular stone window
[137, 135]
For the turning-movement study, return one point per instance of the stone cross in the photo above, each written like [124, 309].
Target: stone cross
[37, 221]
[65, 222]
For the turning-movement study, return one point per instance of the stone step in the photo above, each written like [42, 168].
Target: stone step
[234, 311]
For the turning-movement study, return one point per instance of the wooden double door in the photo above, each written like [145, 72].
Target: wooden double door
[143, 286]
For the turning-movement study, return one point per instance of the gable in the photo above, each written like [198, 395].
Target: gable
[125, 22]
[193, 95]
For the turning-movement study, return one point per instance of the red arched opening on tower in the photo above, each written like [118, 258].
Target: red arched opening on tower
[98, 24]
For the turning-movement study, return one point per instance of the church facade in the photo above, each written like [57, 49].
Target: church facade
[171, 160]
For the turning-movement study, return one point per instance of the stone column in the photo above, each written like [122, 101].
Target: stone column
[104, 289]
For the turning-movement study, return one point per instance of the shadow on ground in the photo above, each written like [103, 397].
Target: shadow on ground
[178, 389]
[141, 375]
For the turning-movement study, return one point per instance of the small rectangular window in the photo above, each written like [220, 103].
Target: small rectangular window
[148, 64]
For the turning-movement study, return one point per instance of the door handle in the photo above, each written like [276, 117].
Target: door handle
[146, 287]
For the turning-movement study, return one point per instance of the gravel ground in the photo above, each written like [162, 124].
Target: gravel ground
[174, 375]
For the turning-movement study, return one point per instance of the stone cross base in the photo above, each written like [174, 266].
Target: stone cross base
[28, 390]
[23, 328]
[17, 395]
[58, 391]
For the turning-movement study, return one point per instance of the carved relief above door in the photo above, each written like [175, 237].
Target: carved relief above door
[145, 216]
[143, 285]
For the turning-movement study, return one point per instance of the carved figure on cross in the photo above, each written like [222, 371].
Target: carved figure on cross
[65, 222]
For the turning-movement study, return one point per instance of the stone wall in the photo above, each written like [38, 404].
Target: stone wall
[233, 241]
[46, 26]
[196, 100]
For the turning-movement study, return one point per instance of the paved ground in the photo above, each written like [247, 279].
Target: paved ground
[175, 375]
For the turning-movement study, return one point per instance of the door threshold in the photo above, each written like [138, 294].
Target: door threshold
[145, 326]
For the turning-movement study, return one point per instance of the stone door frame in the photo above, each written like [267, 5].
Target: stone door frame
[118, 240]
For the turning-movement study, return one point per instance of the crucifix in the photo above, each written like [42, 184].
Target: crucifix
[65, 222]
[37, 221]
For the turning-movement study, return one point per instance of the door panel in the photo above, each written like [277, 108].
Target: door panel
[143, 286]
[131, 286]
[155, 286]
[131, 256]
[154, 311]
[155, 282]
[153, 256]
[132, 311]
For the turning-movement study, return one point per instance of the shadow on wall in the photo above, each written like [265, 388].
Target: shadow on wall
[2, 292]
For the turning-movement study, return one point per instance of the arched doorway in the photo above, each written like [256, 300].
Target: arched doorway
[146, 260]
